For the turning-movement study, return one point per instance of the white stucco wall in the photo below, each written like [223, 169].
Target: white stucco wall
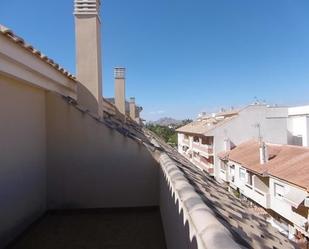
[273, 127]
[298, 128]
[281, 206]
[298, 125]
[53, 156]
[180, 141]
[92, 166]
[22, 157]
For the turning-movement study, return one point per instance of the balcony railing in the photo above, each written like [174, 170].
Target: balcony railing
[203, 148]
[186, 141]
[204, 165]
[257, 195]
[223, 175]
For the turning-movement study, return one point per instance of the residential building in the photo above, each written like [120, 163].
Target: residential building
[203, 139]
[275, 177]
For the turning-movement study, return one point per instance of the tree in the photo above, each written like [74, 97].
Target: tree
[169, 135]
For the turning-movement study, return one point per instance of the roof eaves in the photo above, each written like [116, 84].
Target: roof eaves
[222, 123]
[20, 41]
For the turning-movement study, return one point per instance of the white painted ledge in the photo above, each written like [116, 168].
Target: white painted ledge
[203, 224]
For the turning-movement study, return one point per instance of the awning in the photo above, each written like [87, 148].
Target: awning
[295, 196]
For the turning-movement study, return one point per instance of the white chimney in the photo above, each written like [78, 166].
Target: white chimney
[120, 96]
[227, 144]
[88, 54]
[263, 153]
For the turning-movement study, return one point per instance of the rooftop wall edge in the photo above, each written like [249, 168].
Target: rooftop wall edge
[203, 224]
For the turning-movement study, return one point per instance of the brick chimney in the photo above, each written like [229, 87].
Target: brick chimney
[132, 108]
[88, 54]
[120, 96]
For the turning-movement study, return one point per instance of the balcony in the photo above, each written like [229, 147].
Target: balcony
[257, 195]
[203, 148]
[204, 165]
[223, 175]
[186, 142]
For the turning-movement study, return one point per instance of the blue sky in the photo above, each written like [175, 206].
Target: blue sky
[184, 57]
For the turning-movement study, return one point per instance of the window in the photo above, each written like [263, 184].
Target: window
[242, 174]
[196, 139]
[232, 170]
[207, 140]
[232, 173]
[249, 178]
[279, 190]
[222, 165]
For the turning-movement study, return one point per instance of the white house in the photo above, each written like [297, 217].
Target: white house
[276, 177]
[203, 139]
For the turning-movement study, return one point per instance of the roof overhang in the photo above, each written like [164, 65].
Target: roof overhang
[18, 63]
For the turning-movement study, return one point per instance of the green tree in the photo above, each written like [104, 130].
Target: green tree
[169, 135]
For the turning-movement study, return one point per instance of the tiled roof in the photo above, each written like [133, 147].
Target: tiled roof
[204, 125]
[127, 105]
[114, 120]
[228, 113]
[248, 228]
[286, 162]
[18, 40]
[112, 117]
[292, 165]
[248, 155]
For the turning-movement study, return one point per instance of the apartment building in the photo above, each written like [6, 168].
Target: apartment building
[201, 140]
[275, 177]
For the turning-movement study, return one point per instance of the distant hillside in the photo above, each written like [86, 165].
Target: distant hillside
[166, 121]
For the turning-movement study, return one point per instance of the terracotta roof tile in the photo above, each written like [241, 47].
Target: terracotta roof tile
[248, 227]
[20, 41]
[286, 162]
[204, 125]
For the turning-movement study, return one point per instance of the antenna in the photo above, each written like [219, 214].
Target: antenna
[258, 126]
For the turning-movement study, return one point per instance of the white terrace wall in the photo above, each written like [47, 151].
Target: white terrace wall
[22, 157]
[92, 166]
[52, 156]
[188, 223]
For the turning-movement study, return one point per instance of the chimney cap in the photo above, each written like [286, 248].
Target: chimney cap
[132, 99]
[87, 7]
[119, 73]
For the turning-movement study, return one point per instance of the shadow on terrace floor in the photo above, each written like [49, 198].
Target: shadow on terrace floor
[138, 228]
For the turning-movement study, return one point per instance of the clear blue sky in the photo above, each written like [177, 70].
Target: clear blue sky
[184, 57]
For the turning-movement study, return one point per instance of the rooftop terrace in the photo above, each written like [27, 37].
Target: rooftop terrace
[136, 228]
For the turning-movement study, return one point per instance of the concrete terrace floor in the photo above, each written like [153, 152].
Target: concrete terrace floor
[136, 228]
